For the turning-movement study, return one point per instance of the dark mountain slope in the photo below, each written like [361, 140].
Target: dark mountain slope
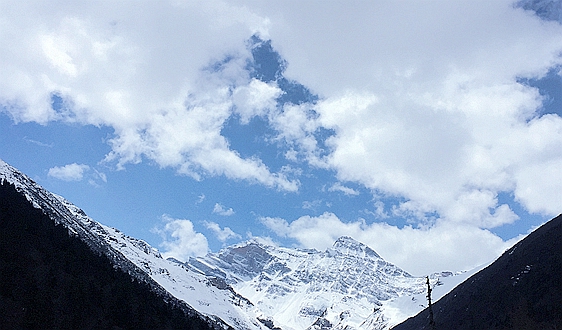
[520, 290]
[50, 279]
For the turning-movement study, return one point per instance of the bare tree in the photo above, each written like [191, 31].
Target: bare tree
[429, 289]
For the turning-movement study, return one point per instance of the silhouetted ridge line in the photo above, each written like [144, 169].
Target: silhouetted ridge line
[51, 279]
[521, 290]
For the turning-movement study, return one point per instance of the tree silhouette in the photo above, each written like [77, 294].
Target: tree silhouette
[429, 289]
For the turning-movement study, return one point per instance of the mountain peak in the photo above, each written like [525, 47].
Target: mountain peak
[346, 240]
[5, 170]
[14, 176]
[349, 246]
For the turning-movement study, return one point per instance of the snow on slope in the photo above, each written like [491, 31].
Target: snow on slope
[207, 295]
[255, 286]
[399, 309]
[348, 286]
[204, 294]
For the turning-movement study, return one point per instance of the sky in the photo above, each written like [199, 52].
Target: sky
[429, 130]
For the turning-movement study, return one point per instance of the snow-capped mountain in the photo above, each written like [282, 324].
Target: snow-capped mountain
[253, 285]
[344, 287]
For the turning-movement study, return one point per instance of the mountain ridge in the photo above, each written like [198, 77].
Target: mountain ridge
[51, 278]
[342, 286]
[522, 289]
[132, 256]
[249, 285]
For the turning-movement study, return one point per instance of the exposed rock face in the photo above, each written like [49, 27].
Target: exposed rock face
[341, 287]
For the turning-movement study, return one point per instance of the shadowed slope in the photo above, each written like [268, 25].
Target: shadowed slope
[520, 290]
[50, 279]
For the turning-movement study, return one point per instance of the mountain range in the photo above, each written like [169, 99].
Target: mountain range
[246, 286]
[343, 287]
[61, 269]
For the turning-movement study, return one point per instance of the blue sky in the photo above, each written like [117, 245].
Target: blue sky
[430, 131]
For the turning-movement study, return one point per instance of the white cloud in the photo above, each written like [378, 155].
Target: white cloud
[379, 212]
[146, 77]
[101, 175]
[262, 240]
[70, 172]
[38, 143]
[346, 190]
[200, 199]
[425, 104]
[538, 187]
[180, 240]
[453, 161]
[296, 125]
[255, 99]
[445, 246]
[311, 205]
[222, 234]
[221, 210]
[422, 97]
[97, 177]
[389, 46]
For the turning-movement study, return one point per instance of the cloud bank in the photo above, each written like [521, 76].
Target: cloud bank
[426, 105]
[443, 246]
[147, 78]
[422, 97]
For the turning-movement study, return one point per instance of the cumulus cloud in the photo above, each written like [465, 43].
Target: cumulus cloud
[180, 240]
[418, 251]
[222, 234]
[295, 126]
[422, 97]
[221, 210]
[425, 102]
[452, 160]
[70, 172]
[150, 79]
[255, 99]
